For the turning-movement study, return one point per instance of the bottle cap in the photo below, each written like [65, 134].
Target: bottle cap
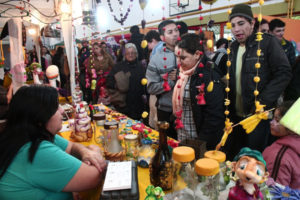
[111, 125]
[131, 137]
[99, 116]
[207, 167]
[183, 154]
[216, 155]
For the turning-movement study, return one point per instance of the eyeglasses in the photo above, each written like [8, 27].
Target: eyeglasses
[130, 53]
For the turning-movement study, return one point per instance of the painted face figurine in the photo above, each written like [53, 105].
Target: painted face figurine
[250, 167]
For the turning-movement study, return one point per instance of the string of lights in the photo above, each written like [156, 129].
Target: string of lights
[8, 3]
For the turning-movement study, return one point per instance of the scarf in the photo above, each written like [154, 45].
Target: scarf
[178, 92]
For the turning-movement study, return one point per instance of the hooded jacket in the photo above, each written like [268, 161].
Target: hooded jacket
[288, 169]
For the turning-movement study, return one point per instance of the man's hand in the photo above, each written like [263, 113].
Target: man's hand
[93, 156]
[172, 75]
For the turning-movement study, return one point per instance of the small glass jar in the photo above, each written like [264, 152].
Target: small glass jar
[99, 118]
[131, 147]
[184, 178]
[146, 153]
[220, 157]
[111, 134]
[208, 179]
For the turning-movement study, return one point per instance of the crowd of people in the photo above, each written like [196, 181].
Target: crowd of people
[185, 87]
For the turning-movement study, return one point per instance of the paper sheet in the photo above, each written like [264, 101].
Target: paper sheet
[118, 176]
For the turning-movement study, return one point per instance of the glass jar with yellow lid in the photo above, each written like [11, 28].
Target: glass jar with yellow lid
[184, 178]
[208, 179]
[220, 157]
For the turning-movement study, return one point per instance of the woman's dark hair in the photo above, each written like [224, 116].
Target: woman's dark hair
[103, 52]
[222, 41]
[59, 53]
[29, 111]
[284, 107]
[190, 42]
[152, 34]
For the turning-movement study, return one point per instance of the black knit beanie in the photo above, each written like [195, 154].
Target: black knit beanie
[241, 10]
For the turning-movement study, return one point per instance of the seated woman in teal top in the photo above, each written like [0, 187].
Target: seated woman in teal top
[35, 163]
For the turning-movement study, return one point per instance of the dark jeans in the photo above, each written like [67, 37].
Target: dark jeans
[168, 117]
[258, 139]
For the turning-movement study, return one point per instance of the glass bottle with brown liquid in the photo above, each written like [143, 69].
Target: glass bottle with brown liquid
[161, 165]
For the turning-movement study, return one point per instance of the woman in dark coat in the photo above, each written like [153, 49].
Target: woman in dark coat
[198, 96]
[123, 83]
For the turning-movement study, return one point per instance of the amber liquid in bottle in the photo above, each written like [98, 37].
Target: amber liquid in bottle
[161, 165]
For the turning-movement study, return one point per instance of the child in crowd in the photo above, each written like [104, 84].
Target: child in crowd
[283, 155]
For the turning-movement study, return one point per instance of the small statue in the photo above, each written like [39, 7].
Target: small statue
[154, 193]
[250, 168]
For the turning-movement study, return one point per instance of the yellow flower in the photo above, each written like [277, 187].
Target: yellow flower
[144, 44]
[227, 102]
[210, 86]
[93, 85]
[227, 76]
[261, 2]
[144, 114]
[256, 79]
[259, 38]
[258, 52]
[259, 17]
[228, 26]
[229, 38]
[228, 51]
[209, 44]
[257, 65]
[229, 11]
[228, 63]
[144, 81]
[256, 92]
[227, 89]
[226, 112]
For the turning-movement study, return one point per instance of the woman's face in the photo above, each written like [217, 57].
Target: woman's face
[276, 128]
[130, 54]
[97, 50]
[185, 59]
[55, 122]
[44, 50]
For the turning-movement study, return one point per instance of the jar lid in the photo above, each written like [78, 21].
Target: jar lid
[183, 154]
[99, 116]
[144, 141]
[207, 167]
[216, 155]
[111, 124]
[131, 137]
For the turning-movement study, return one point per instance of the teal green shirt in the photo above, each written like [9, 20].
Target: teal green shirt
[45, 178]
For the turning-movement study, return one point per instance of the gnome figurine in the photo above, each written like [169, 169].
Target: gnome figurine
[250, 167]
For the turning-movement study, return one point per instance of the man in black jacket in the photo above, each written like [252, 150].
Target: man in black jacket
[277, 28]
[274, 73]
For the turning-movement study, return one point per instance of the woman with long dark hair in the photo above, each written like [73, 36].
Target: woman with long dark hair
[98, 65]
[58, 60]
[36, 163]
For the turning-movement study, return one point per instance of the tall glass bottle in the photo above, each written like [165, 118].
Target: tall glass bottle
[161, 165]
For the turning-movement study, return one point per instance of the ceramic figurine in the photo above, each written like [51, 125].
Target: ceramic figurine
[250, 168]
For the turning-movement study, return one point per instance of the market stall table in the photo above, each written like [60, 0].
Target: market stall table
[143, 173]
